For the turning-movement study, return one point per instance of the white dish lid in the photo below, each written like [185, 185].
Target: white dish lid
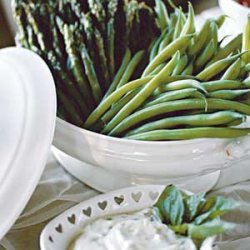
[27, 121]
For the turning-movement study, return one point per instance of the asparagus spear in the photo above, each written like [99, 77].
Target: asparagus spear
[20, 17]
[32, 40]
[112, 8]
[65, 84]
[33, 21]
[97, 8]
[95, 44]
[91, 74]
[75, 66]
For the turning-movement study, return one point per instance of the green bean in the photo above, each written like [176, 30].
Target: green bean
[171, 3]
[228, 94]
[200, 120]
[181, 84]
[178, 27]
[181, 65]
[113, 97]
[165, 108]
[205, 56]
[247, 68]
[189, 26]
[246, 41]
[162, 14]
[214, 34]
[215, 68]
[233, 72]
[144, 93]
[221, 85]
[191, 133]
[131, 68]
[246, 99]
[166, 40]
[155, 49]
[200, 40]
[119, 73]
[117, 106]
[183, 16]
[189, 69]
[227, 49]
[157, 69]
[246, 82]
[162, 88]
[173, 20]
[220, 42]
[179, 44]
[174, 95]
[221, 20]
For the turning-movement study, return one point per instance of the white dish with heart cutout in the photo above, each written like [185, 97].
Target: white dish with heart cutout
[62, 230]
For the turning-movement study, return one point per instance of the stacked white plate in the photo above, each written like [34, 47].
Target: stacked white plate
[27, 119]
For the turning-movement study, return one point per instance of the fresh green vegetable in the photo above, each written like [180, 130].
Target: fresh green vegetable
[194, 216]
[173, 106]
[131, 68]
[198, 120]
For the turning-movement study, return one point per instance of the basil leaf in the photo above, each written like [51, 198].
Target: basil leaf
[179, 229]
[214, 207]
[208, 229]
[192, 203]
[171, 205]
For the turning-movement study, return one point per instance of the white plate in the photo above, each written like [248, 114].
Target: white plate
[59, 233]
[27, 119]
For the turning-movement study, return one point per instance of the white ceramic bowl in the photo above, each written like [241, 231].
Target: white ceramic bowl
[141, 159]
[237, 12]
[59, 233]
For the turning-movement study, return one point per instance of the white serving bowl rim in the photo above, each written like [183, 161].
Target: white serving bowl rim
[138, 142]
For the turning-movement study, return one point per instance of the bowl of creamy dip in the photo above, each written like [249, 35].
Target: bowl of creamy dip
[124, 219]
[141, 230]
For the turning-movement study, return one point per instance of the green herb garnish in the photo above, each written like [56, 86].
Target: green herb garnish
[194, 216]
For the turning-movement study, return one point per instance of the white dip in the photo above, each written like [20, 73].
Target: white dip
[138, 231]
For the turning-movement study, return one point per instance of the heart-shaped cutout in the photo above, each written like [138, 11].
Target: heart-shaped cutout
[87, 211]
[119, 199]
[102, 205]
[59, 228]
[72, 219]
[136, 196]
[51, 239]
[153, 195]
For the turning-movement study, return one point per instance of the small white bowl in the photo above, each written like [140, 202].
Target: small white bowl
[60, 232]
[237, 12]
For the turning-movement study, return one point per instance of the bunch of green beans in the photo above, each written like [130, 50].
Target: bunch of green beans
[193, 86]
